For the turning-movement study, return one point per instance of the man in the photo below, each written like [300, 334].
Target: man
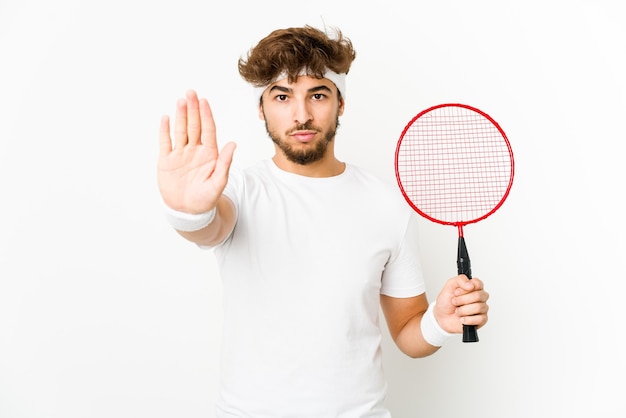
[309, 246]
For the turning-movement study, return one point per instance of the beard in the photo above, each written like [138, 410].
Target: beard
[306, 156]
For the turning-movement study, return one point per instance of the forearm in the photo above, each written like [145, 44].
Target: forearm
[218, 229]
[412, 325]
[410, 339]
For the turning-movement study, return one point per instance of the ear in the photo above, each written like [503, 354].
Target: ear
[342, 106]
[261, 114]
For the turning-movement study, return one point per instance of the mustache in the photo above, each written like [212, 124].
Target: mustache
[308, 126]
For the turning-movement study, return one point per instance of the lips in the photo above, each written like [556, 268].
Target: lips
[303, 136]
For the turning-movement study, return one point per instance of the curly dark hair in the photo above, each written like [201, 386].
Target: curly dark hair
[294, 49]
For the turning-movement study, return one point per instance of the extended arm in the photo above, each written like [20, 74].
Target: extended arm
[192, 174]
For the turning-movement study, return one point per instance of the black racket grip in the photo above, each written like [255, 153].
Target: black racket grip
[464, 266]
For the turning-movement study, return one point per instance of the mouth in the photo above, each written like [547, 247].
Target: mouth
[303, 136]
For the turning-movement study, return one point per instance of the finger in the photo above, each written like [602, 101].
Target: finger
[473, 284]
[180, 124]
[209, 134]
[466, 284]
[478, 320]
[475, 308]
[224, 162]
[226, 156]
[165, 141]
[467, 299]
[193, 118]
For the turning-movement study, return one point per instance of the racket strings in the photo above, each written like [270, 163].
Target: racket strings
[454, 165]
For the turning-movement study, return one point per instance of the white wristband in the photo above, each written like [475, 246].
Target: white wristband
[188, 222]
[431, 330]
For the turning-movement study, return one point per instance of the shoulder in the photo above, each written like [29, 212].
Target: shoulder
[378, 186]
[367, 176]
[241, 178]
[380, 199]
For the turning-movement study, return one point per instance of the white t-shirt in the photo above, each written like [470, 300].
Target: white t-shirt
[302, 276]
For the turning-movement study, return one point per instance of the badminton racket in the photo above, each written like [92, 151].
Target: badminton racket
[454, 166]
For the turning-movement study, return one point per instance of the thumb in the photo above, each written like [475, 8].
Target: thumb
[447, 293]
[224, 161]
[226, 155]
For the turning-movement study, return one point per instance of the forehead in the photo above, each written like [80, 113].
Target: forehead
[305, 83]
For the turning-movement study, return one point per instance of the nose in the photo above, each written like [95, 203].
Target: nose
[302, 113]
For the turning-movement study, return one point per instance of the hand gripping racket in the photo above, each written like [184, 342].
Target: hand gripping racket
[454, 166]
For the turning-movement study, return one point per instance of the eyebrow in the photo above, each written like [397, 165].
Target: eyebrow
[290, 90]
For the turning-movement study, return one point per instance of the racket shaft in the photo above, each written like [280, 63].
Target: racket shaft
[464, 266]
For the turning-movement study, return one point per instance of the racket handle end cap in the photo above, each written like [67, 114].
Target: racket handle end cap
[470, 334]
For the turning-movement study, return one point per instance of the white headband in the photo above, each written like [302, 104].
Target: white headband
[338, 79]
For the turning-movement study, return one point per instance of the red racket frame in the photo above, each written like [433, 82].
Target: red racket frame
[459, 224]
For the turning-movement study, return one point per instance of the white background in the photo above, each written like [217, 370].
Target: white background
[106, 312]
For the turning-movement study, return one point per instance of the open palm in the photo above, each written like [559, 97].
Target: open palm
[192, 174]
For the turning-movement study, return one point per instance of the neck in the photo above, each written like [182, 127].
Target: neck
[327, 167]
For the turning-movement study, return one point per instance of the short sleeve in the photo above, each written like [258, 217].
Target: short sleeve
[403, 276]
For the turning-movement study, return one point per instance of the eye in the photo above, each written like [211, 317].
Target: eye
[281, 97]
[318, 96]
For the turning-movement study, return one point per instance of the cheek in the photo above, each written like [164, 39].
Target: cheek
[277, 119]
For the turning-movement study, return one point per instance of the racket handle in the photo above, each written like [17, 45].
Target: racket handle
[464, 266]
[470, 334]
